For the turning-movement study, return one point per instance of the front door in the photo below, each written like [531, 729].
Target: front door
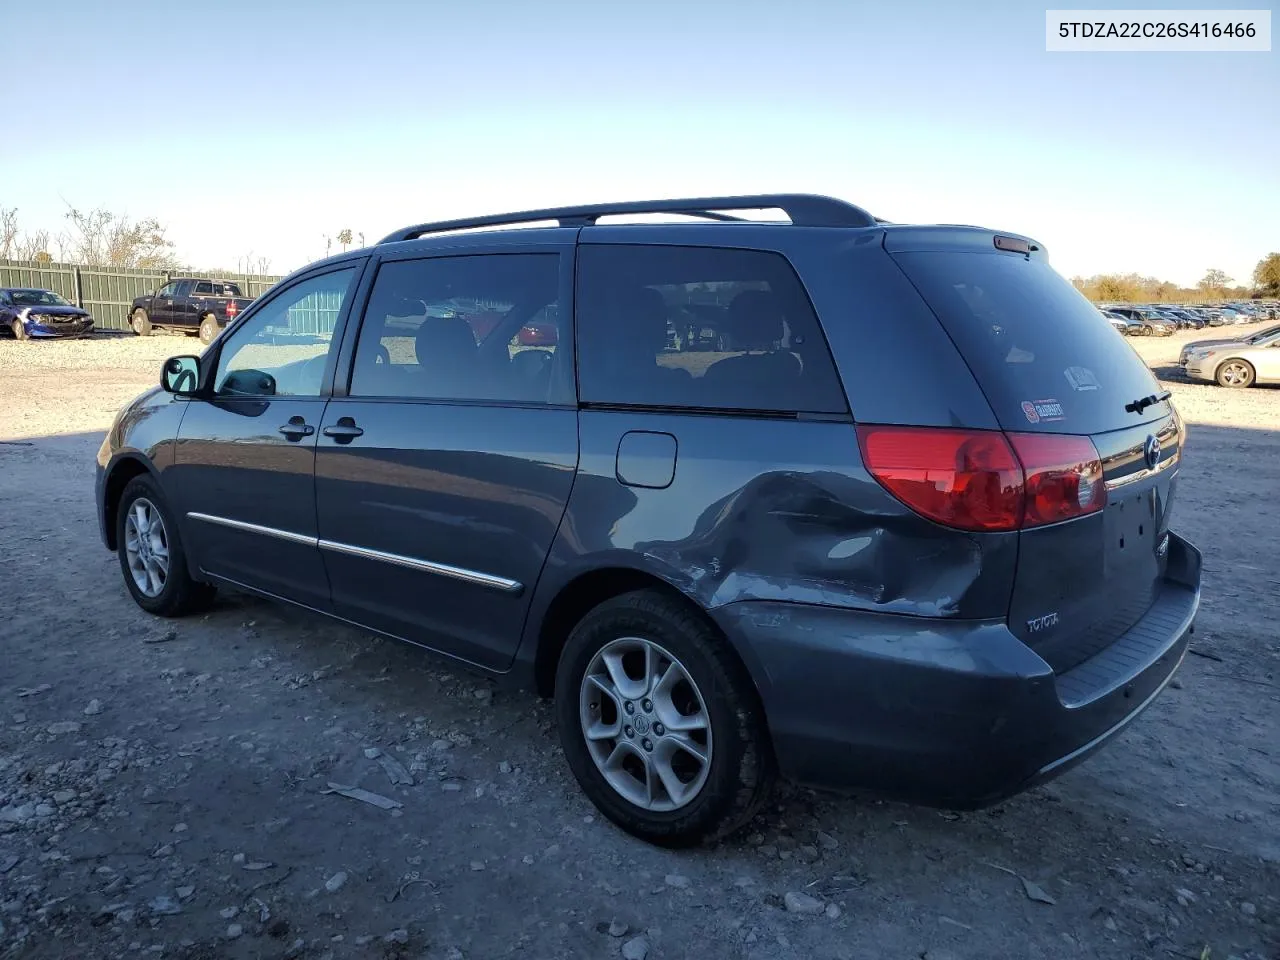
[244, 470]
[186, 311]
[1267, 360]
[443, 473]
[161, 312]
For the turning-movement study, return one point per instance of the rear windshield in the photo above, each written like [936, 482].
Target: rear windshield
[1043, 355]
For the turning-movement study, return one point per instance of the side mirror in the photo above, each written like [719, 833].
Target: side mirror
[180, 374]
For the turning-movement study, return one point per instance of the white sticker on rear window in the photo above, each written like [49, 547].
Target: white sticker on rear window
[1043, 411]
[1081, 379]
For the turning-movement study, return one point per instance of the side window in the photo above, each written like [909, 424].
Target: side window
[700, 327]
[483, 327]
[203, 289]
[281, 350]
[168, 290]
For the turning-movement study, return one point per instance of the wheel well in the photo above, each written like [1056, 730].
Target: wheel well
[117, 480]
[574, 601]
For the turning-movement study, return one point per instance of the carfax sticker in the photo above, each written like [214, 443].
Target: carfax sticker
[1043, 411]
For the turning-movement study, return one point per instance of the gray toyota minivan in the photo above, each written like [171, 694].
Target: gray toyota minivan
[856, 503]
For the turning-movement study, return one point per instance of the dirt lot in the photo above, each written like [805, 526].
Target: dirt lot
[161, 783]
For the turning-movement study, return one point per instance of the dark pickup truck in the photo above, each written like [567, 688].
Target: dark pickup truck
[191, 304]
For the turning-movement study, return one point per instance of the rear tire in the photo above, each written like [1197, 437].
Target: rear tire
[208, 329]
[141, 323]
[636, 768]
[19, 331]
[1235, 373]
[152, 559]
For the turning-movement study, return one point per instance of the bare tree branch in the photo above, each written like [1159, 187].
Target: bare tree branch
[102, 238]
[8, 233]
[30, 246]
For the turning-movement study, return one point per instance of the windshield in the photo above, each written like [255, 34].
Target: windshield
[37, 298]
[1044, 358]
[1262, 335]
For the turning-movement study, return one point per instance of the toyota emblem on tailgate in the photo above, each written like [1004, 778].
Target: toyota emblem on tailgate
[1151, 450]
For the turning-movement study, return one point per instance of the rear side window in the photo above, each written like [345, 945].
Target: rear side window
[483, 327]
[699, 327]
[1042, 354]
[204, 287]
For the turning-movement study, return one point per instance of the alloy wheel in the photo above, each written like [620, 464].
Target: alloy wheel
[646, 724]
[146, 545]
[1235, 374]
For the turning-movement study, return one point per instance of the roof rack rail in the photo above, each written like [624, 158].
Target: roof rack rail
[804, 210]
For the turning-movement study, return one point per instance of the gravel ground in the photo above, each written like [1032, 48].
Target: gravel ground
[162, 784]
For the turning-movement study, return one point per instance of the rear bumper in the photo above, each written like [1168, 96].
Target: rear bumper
[948, 713]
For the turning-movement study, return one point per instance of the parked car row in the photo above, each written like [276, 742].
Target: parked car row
[1163, 320]
[191, 304]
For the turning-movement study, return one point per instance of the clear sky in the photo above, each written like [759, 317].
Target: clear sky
[260, 127]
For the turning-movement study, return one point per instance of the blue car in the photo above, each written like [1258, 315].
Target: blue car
[41, 314]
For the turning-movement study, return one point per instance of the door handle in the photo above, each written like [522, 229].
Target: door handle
[297, 428]
[344, 431]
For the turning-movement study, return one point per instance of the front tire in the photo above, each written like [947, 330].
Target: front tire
[208, 329]
[141, 323]
[1236, 373]
[660, 722]
[152, 560]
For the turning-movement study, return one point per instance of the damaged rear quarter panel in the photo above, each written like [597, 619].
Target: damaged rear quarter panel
[772, 509]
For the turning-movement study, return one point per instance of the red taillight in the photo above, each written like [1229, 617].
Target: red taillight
[984, 480]
[1063, 477]
[961, 478]
[232, 309]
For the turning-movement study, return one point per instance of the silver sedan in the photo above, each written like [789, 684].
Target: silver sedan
[1235, 363]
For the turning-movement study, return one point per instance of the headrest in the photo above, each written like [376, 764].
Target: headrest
[642, 315]
[756, 319]
[444, 340]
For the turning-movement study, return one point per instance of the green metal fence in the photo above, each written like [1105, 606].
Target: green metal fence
[108, 292]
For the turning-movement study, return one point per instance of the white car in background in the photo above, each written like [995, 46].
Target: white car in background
[1241, 362]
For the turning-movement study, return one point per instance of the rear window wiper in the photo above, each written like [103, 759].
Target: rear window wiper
[1137, 406]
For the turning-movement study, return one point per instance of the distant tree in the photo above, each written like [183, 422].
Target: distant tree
[1131, 288]
[1214, 281]
[8, 233]
[31, 245]
[102, 238]
[1266, 275]
[344, 237]
[43, 257]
